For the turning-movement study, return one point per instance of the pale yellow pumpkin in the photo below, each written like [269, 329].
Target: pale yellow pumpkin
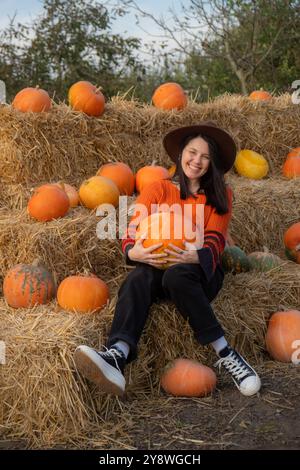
[251, 164]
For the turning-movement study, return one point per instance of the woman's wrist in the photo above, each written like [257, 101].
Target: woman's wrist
[128, 254]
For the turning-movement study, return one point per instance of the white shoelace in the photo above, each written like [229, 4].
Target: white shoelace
[112, 353]
[234, 366]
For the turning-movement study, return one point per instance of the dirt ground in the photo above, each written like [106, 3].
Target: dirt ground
[229, 420]
[225, 420]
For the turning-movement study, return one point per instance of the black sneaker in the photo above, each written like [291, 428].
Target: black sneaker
[244, 377]
[102, 368]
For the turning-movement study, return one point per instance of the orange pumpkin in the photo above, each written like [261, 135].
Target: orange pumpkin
[188, 378]
[120, 174]
[85, 97]
[98, 190]
[71, 192]
[282, 335]
[26, 285]
[77, 88]
[172, 170]
[291, 241]
[294, 152]
[260, 95]
[32, 99]
[48, 202]
[150, 174]
[166, 228]
[291, 166]
[83, 294]
[169, 96]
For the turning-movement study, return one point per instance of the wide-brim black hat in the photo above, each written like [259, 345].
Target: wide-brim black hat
[227, 147]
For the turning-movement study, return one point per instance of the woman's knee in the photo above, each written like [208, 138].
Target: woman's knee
[173, 274]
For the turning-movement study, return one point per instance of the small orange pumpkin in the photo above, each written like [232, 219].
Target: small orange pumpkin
[120, 174]
[149, 174]
[98, 190]
[294, 152]
[32, 99]
[291, 166]
[169, 96]
[71, 192]
[260, 95]
[282, 334]
[172, 170]
[291, 240]
[83, 294]
[86, 97]
[26, 285]
[48, 202]
[188, 378]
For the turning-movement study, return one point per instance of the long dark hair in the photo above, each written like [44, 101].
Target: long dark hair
[212, 182]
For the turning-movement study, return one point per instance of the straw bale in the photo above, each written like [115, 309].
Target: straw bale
[41, 397]
[262, 211]
[14, 196]
[66, 246]
[68, 145]
[44, 400]
[243, 307]
[46, 146]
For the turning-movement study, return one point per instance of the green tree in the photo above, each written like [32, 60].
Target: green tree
[72, 40]
[248, 43]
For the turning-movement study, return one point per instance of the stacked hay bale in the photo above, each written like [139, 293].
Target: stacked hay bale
[42, 397]
[263, 210]
[63, 145]
[66, 246]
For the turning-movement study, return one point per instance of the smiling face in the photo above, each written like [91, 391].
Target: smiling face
[195, 159]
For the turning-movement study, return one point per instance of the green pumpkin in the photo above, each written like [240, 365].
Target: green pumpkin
[263, 260]
[235, 260]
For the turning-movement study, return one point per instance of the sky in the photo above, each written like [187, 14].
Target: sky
[26, 10]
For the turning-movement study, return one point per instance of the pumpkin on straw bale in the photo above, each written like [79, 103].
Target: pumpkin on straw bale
[29, 99]
[169, 96]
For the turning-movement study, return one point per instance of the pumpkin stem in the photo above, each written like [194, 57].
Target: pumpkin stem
[86, 272]
[266, 249]
[153, 162]
[38, 262]
[283, 307]
[61, 184]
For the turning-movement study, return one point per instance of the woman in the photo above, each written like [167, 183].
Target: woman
[202, 153]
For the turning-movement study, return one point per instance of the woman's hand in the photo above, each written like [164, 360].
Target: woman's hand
[145, 255]
[177, 255]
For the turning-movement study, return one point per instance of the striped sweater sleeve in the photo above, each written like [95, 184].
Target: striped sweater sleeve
[214, 239]
[144, 205]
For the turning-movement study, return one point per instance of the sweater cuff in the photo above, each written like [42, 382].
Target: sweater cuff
[127, 259]
[206, 262]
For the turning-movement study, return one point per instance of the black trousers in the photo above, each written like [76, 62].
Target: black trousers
[184, 284]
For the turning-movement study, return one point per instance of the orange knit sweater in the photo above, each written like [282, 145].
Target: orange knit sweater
[215, 225]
